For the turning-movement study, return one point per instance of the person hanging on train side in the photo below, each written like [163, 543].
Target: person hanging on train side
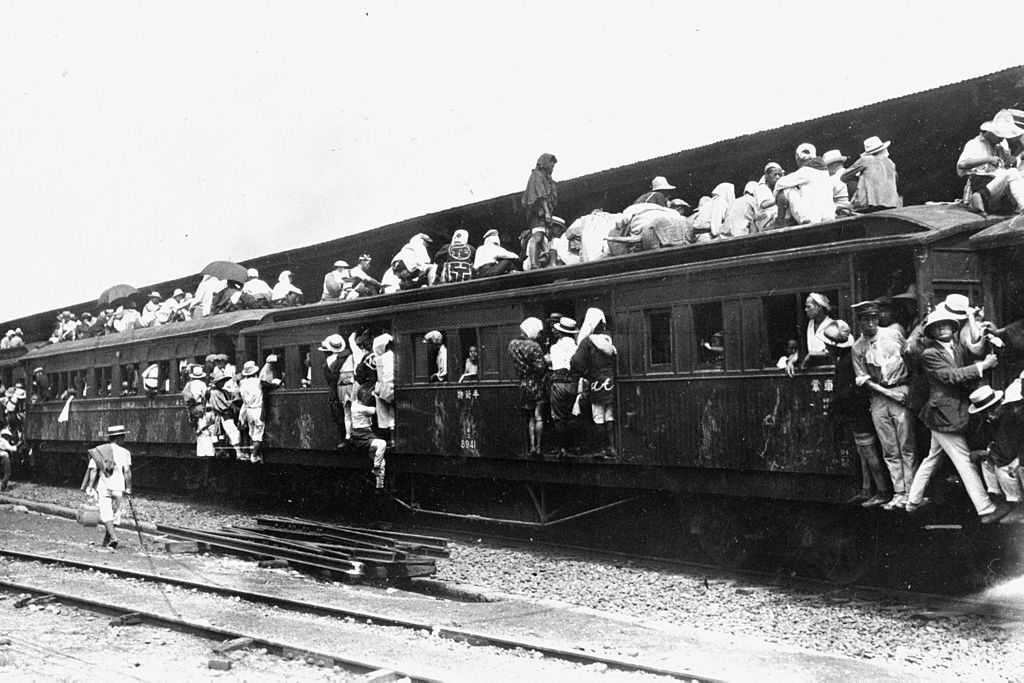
[348, 379]
[224, 406]
[594, 361]
[41, 384]
[817, 307]
[9, 443]
[335, 355]
[364, 440]
[876, 178]
[994, 181]
[384, 389]
[951, 372]
[527, 358]
[252, 389]
[563, 387]
[995, 435]
[493, 259]
[194, 395]
[454, 260]
[805, 196]
[850, 413]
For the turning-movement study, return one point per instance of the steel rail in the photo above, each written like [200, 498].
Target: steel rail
[458, 634]
[217, 633]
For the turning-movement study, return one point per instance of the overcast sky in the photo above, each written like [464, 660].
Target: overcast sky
[142, 140]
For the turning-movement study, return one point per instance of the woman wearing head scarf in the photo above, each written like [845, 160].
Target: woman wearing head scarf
[530, 367]
[722, 198]
[541, 195]
[594, 361]
[455, 260]
[385, 387]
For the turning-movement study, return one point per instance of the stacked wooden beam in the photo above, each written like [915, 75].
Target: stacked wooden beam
[341, 552]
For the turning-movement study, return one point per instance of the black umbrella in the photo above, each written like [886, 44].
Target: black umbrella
[226, 270]
[112, 294]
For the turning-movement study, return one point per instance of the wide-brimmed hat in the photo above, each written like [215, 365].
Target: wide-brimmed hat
[1002, 125]
[333, 344]
[676, 203]
[957, 304]
[659, 183]
[911, 293]
[250, 368]
[874, 145]
[940, 315]
[116, 430]
[341, 263]
[982, 398]
[866, 309]
[835, 329]
[833, 156]
[197, 372]
[155, 295]
[566, 325]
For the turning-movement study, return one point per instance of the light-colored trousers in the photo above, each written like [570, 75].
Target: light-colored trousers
[955, 447]
[895, 428]
[1005, 480]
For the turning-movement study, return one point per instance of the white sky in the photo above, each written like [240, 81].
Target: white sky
[142, 140]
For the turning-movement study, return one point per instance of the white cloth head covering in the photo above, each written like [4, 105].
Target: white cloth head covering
[591, 320]
[725, 190]
[531, 327]
[821, 300]
[460, 237]
[380, 342]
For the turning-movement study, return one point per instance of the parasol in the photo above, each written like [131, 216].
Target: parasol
[226, 270]
[112, 294]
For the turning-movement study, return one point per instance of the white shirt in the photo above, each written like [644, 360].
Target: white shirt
[252, 394]
[489, 252]
[115, 482]
[814, 202]
[442, 363]
[257, 289]
[562, 352]
[362, 416]
[815, 338]
[975, 149]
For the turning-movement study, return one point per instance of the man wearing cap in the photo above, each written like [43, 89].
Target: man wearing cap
[739, 217]
[252, 390]
[658, 186]
[435, 339]
[876, 178]
[455, 259]
[493, 259]
[109, 479]
[878, 365]
[850, 412]
[834, 160]
[563, 389]
[765, 196]
[991, 172]
[365, 284]
[338, 282]
[336, 355]
[255, 287]
[805, 196]
[150, 312]
[946, 414]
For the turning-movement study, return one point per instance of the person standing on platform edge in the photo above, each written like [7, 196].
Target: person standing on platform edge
[594, 361]
[109, 480]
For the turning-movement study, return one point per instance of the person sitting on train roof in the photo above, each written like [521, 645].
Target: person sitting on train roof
[255, 287]
[493, 259]
[645, 227]
[879, 366]
[471, 368]
[876, 187]
[202, 300]
[126, 317]
[440, 365]
[285, 294]
[455, 259]
[992, 173]
[384, 389]
[148, 317]
[702, 220]
[739, 217]
[681, 205]
[563, 385]
[656, 196]
[17, 341]
[591, 230]
[221, 403]
[722, 198]
[566, 248]
[850, 413]
[91, 326]
[765, 196]
[338, 283]
[535, 244]
[805, 196]
[995, 436]
[5, 343]
[834, 160]
[411, 267]
[365, 284]
[594, 362]
[174, 309]
[232, 298]
[817, 307]
[950, 372]
[540, 199]
[527, 358]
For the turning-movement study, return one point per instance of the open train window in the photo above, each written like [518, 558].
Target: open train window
[129, 380]
[783, 314]
[305, 366]
[707, 324]
[469, 356]
[287, 378]
[659, 339]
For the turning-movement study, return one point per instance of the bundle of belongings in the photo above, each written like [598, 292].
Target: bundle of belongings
[590, 231]
[643, 227]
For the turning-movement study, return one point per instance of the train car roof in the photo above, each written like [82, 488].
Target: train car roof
[908, 225]
[1005, 233]
[208, 325]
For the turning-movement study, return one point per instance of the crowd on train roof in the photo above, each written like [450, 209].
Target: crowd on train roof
[819, 188]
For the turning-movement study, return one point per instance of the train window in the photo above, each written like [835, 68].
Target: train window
[102, 380]
[707, 325]
[469, 350]
[129, 380]
[659, 339]
[833, 298]
[306, 366]
[287, 378]
[782, 315]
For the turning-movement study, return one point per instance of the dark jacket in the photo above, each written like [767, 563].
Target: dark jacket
[950, 382]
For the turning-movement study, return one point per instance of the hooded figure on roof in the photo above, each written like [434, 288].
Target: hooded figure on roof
[411, 267]
[541, 195]
[455, 260]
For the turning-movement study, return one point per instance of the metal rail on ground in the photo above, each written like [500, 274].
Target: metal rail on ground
[460, 634]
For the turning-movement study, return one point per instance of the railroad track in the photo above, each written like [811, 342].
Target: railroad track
[343, 660]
